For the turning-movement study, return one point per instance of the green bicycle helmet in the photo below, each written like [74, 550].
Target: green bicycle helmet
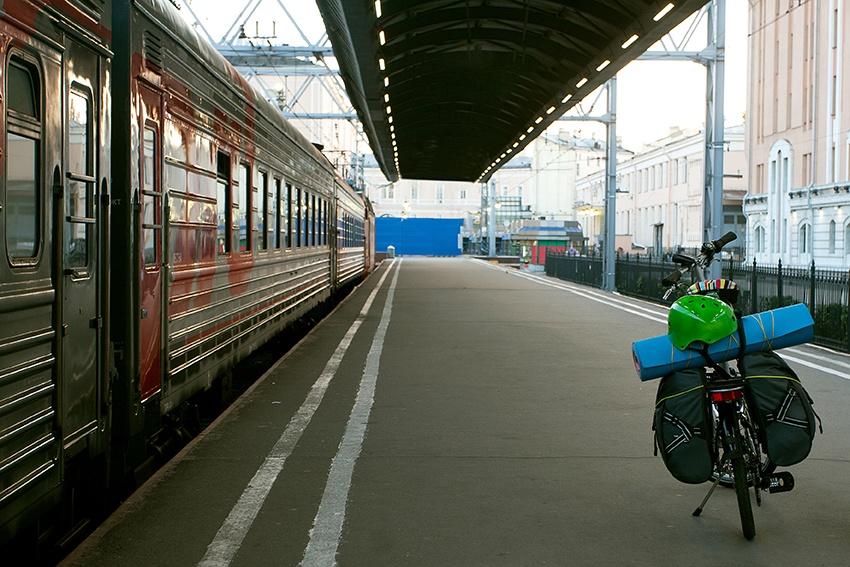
[699, 318]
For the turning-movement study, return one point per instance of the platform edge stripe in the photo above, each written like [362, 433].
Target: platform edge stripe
[232, 532]
[327, 526]
[79, 553]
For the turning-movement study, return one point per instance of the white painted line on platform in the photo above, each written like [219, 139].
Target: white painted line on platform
[232, 532]
[618, 304]
[816, 356]
[829, 350]
[815, 366]
[582, 293]
[327, 525]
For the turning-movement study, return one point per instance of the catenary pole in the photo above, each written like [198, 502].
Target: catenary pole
[610, 259]
[714, 127]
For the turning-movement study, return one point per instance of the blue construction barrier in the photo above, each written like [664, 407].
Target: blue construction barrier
[419, 236]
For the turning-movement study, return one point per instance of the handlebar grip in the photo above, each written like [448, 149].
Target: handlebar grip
[724, 240]
[672, 279]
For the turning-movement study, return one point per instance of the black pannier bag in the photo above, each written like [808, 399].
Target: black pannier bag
[782, 407]
[682, 426]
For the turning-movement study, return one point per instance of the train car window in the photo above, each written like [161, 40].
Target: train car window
[241, 224]
[312, 220]
[79, 206]
[305, 222]
[262, 210]
[22, 88]
[23, 150]
[224, 203]
[287, 217]
[174, 141]
[78, 133]
[320, 223]
[151, 216]
[203, 152]
[297, 242]
[274, 215]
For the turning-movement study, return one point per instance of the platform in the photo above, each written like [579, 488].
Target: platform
[481, 416]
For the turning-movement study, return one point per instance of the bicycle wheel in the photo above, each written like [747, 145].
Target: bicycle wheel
[748, 435]
[742, 490]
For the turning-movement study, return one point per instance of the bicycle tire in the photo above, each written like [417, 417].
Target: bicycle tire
[766, 466]
[742, 492]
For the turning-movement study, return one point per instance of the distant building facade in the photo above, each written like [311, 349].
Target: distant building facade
[557, 161]
[798, 133]
[538, 184]
[413, 198]
[660, 193]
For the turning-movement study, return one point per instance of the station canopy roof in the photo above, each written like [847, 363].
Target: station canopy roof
[461, 82]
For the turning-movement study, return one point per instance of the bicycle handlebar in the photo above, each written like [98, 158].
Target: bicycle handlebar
[705, 257]
[716, 246]
[724, 240]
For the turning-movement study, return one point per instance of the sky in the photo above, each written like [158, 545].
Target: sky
[653, 96]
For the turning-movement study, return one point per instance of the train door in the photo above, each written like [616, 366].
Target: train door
[150, 244]
[83, 218]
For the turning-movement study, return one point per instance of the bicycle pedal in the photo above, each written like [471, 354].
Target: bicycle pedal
[780, 482]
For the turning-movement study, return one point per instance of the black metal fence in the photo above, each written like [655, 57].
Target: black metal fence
[585, 270]
[826, 292]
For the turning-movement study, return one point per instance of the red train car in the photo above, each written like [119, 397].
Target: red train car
[161, 221]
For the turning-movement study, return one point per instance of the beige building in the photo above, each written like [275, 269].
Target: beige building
[798, 134]
[557, 161]
[543, 179]
[659, 201]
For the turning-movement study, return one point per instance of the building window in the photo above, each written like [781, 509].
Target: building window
[803, 245]
[784, 236]
[759, 238]
[414, 192]
[807, 168]
[847, 239]
[832, 237]
[462, 194]
[441, 193]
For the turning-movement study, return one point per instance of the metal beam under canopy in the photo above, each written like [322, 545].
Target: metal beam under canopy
[449, 89]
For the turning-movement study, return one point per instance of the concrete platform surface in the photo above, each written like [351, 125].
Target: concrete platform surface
[479, 416]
